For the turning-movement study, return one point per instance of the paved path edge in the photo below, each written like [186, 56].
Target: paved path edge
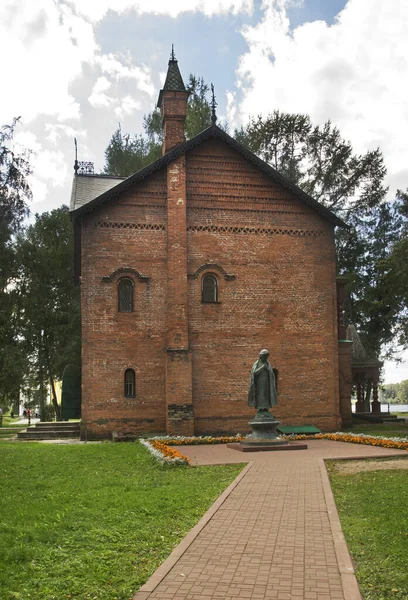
[351, 589]
[154, 580]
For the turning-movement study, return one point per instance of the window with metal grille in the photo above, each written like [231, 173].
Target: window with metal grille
[130, 381]
[209, 288]
[125, 295]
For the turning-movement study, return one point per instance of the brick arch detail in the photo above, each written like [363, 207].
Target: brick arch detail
[125, 271]
[212, 267]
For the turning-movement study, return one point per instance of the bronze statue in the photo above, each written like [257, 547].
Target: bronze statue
[262, 388]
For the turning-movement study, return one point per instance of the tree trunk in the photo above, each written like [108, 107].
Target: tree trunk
[52, 383]
[42, 399]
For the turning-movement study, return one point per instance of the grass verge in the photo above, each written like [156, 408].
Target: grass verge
[384, 429]
[374, 517]
[93, 521]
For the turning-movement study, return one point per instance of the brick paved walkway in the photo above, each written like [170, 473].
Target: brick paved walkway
[274, 534]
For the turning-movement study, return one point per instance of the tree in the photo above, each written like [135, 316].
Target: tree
[396, 268]
[49, 301]
[363, 253]
[15, 195]
[388, 393]
[125, 156]
[318, 160]
[402, 396]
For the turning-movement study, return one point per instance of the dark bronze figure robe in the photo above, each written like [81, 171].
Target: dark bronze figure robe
[262, 389]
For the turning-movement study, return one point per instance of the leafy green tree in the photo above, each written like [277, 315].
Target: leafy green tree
[363, 253]
[402, 396]
[318, 160]
[49, 301]
[388, 392]
[15, 195]
[125, 155]
[396, 266]
[280, 139]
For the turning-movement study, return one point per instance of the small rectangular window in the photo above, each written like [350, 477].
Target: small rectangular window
[130, 387]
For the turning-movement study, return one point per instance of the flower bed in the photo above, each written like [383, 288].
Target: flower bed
[181, 440]
[164, 453]
[160, 446]
[361, 438]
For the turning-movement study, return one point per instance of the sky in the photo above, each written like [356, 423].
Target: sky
[78, 68]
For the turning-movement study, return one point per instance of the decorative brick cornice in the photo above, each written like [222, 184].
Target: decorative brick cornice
[126, 225]
[257, 230]
[212, 267]
[125, 271]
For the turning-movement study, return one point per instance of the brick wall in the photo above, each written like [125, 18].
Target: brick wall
[275, 264]
[128, 234]
[281, 253]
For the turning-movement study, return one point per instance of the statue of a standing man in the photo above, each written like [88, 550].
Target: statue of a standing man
[262, 388]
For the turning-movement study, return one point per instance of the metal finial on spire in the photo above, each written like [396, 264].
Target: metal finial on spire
[76, 157]
[172, 55]
[213, 105]
[81, 167]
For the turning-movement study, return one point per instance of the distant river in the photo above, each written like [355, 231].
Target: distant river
[393, 408]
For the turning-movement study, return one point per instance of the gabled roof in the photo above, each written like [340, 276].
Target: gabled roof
[87, 187]
[210, 132]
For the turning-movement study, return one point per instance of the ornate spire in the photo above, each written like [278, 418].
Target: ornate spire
[213, 105]
[174, 81]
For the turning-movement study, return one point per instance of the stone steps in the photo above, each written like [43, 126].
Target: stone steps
[51, 431]
[58, 426]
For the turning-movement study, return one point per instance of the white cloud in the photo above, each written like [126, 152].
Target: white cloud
[96, 10]
[98, 98]
[231, 109]
[118, 69]
[127, 107]
[56, 132]
[45, 46]
[47, 165]
[396, 372]
[352, 72]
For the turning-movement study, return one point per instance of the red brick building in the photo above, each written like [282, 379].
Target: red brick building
[189, 268]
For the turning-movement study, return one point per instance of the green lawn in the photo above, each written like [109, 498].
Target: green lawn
[383, 429]
[374, 517]
[93, 521]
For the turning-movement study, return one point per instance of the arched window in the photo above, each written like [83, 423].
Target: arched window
[130, 383]
[209, 288]
[125, 295]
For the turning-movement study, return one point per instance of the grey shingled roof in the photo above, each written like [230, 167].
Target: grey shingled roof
[359, 353]
[210, 132]
[87, 187]
[174, 81]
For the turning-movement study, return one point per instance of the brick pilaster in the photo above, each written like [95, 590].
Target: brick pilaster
[174, 111]
[180, 418]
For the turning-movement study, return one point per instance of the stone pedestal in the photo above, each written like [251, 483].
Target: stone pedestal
[264, 433]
